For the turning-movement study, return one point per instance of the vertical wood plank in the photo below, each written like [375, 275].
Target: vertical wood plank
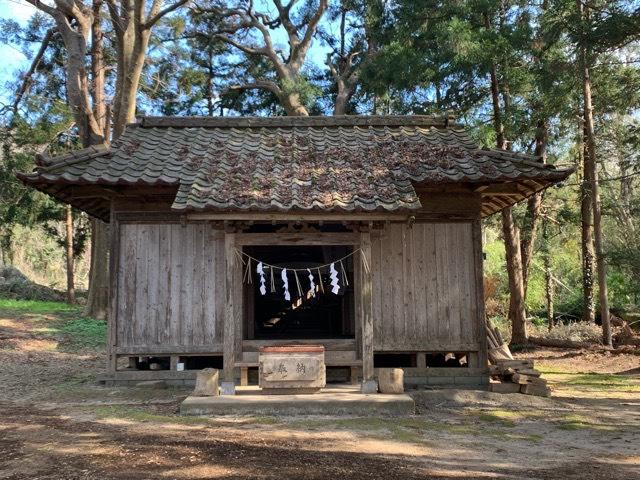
[456, 256]
[197, 332]
[419, 274]
[114, 274]
[442, 248]
[387, 317]
[219, 269]
[130, 235]
[469, 310]
[397, 268]
[376, 283]
[186, 300]
[228, 344]
[209, 296]
[431, 282]
[142, 286]
[177, 262]
[411, 321]
[366, 312]
[164, 291]
[153, 285]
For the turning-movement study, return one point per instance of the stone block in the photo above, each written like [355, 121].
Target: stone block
[391, 380]
[207, 383]
[369, 386]
[292, 368]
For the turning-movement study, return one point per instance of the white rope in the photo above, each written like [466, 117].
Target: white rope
[303, 269]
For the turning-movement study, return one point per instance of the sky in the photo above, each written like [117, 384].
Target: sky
[12, 60]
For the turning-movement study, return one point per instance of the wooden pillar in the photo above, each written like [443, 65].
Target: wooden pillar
[369, 385]
[481, 358]
[229, 330]
[112, 316]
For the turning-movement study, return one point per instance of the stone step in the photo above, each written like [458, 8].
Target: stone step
[330, 401]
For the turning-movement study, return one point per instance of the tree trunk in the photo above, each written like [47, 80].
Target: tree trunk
[548, 274]
[293, 105]
[71, 291]
[588, 254]
[517, 311]
[98, 298]
[534, 206]
[511, 235]
[591, 166]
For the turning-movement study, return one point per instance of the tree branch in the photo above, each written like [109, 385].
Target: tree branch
[158, 16]
[257, 85]
[28, 77]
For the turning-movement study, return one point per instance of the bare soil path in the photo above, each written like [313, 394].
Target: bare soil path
[55, 423]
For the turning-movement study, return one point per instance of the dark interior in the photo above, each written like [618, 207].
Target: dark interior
[325, 315]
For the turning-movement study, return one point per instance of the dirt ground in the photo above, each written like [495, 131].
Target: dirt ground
[55, 423]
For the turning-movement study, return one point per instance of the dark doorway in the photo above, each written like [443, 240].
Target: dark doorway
[325, 315]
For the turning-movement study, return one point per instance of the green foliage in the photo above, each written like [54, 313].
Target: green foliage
[84, 333]
[74, 331]
[35, 307]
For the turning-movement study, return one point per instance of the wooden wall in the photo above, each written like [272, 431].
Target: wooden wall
[170, 288]
[425, 288]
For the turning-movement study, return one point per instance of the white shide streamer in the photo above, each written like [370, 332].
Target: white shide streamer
[285, 284]
[334, 278]
[260, 270]
[312, 284]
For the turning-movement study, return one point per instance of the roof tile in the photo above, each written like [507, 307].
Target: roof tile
[347, 163]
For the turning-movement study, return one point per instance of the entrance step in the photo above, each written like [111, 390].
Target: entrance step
[334, 400]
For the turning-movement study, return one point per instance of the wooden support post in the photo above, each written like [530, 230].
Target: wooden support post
[112, 317]
[173, 362]
[355, 371]
[244, 376]
[229, 330]
[369, 385]
[479, 322]
[421, 360]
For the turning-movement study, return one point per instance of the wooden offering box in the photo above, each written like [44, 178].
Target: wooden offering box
[292, 369]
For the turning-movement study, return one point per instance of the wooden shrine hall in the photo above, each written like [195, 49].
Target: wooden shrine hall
[361, 234]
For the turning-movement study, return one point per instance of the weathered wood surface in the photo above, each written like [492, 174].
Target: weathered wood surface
[169, 291]
[425, 286]
[366, 307]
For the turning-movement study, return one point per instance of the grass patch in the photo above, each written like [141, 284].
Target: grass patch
[140, 415]
[84, 333]
[599, 381]
[58, 321]
[503, 418]
[578, 422]
[36, 306]
[409, 430]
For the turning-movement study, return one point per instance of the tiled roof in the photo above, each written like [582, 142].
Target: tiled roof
[329, 163]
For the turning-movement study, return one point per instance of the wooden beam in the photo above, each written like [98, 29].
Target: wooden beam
[369, 385]
[501, 189]
[229, 329]
[301, 217]
[316, 238]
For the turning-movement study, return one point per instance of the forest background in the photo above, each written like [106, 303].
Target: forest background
[559, 79]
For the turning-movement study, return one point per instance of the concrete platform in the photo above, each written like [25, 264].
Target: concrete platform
[334, 400]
